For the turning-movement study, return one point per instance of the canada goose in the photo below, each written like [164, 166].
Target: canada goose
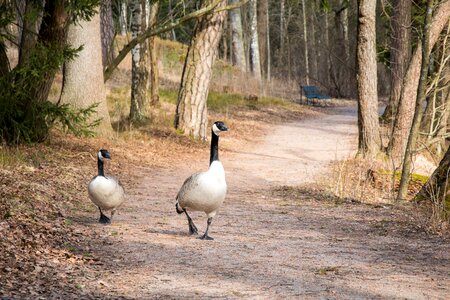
[205, 191]
[105, 191]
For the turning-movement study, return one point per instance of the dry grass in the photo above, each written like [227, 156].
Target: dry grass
[369, 181]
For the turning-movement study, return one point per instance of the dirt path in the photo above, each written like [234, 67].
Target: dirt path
[267, 245]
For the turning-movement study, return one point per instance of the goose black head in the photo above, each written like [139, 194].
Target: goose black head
[103, 154]
[219, 127]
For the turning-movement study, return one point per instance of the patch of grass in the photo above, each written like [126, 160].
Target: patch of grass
[325, 270]
[222, 102]
[169, 96]
[11, 156]
[68, 222]
[414, 176]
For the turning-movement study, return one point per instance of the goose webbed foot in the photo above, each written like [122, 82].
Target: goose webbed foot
[192, 228]
[206, 236]
[104, 219]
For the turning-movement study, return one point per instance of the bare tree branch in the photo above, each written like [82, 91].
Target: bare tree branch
[155, 31]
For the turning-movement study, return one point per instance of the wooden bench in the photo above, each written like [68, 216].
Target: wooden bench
[311, 93]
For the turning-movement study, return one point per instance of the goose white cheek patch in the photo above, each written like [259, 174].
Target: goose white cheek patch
[100, 156]
[215, 129]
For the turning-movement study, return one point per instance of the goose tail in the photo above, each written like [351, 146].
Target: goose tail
[178, 208]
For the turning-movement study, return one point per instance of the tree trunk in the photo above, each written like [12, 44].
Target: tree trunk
[4, 61]
[305, 42]
[29, 33]
[400, 53]
[139, 71]
[237, 39]
[53, 32]
[340, 47]
[83, 76]
[438, 185]
[314, 49]
[254, 41]
[107, 31]
[404, 116]
[369, 141]
[262, 14]
[269, 59]
[420, 98]
[123, 20]
[282, 26]
[153, 49]
[191, 113]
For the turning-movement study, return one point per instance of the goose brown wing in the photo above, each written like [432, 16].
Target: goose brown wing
[189, 184]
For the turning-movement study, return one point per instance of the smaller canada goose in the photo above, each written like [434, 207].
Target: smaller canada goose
[105, 191]
[205, 191]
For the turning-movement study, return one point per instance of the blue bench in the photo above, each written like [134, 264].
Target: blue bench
[311, 93]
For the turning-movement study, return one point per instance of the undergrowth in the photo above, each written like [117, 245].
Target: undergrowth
[373, 182]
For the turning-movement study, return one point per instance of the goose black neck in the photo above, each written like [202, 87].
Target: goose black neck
[214, 154]
[100, 168]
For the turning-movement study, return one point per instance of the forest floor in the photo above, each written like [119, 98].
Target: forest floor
[276, 236]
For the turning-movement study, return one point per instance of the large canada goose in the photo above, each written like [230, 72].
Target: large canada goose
[205, 191]
[105, 191]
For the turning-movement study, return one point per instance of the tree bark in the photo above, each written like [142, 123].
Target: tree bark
[438, 185]
[139, 70]
[29, 33]
[420, 98]
[369, 141]
[53, 33]
[237, 39]
[191, 113]
[4, 61]
[83, 76]
[282, 26]
[305, 41]
[107, 31]
[405, 112]
[400, 53]
[254, 41]
[123, 20]
[262, 26]
[340, 45]
[153, 49]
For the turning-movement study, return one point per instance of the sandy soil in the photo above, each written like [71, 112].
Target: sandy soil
[269, 243]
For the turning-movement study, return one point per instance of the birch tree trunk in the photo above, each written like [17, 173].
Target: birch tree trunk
[139, 71]
[369, 141]
[255, 57]
[237, 39]
[405, 112]
[305, 41]
[83, 76]
[153, 51]
[400, 53]
[282, 25]
[191, 113]
[123, 20]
